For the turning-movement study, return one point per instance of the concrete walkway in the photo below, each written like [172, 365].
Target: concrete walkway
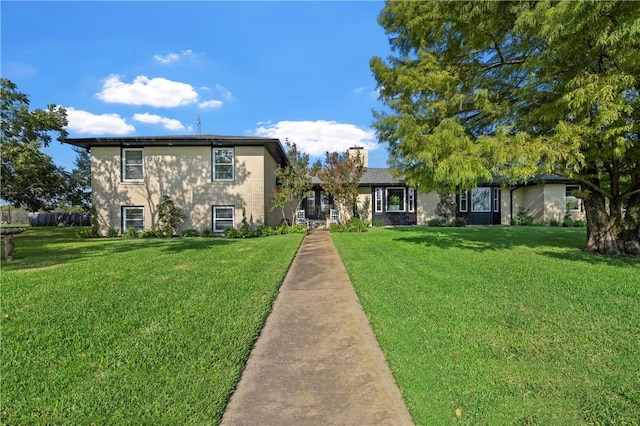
[316, 361]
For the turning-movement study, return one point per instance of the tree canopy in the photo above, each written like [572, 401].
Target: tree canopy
[485, 89]
[294, 180]
[29, 177]
[340, 176]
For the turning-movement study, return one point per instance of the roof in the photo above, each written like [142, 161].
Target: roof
[272, 145]
[374, 176]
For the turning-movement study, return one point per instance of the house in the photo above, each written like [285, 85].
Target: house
[220, 180]
[213, 179]
[388, 200]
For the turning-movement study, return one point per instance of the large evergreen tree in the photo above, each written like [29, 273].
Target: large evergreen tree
[516, 89]
[29, 177]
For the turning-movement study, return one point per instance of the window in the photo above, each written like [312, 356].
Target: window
[496, 199]
[481, 200]
[223, 164]
[311, 204]
[395, 200]
[132, 217]
[132, 165]
[378, 200]
[573, 203]
[325, 202]
[411, 195]
[223, 218]
[463, 206]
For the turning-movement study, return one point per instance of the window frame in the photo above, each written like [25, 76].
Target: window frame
[124, 210]
[214, 164]
[378, 198]
[496, 200]
[124, 164]
[403, 203]
[567, 198]
[215, 220]
[411, 197]
[463, 197]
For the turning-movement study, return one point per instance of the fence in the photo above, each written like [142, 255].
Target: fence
[59, 219]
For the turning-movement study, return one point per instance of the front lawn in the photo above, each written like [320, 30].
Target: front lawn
[116, 331]
[502, 325]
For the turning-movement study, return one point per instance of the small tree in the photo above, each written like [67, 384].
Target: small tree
[446, 208]
[170, 217]
[294, 180]
[340, 176]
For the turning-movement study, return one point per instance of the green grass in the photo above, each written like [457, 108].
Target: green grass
[116, 331]
[502, 325]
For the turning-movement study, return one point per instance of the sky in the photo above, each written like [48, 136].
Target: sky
[296, 70]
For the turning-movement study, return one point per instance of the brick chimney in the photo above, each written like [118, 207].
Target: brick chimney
[364, 154]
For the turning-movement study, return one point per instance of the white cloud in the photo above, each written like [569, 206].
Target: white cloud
[167, 123]
[172, 56]
[210, 104]
[155, 92]
[224, 92]
[317, 137]
[93, 124]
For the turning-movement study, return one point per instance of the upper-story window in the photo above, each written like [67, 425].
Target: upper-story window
[132, 165]
[223, 164]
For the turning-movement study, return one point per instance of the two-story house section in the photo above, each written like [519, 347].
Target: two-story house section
[213, 179]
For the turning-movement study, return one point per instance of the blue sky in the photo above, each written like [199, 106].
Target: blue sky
[296, 70]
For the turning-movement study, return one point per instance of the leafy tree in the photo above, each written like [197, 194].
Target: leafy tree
[446, 208]
[294, 180]
[29, 177]
[79, 181]
[340, 175]
[518, 89]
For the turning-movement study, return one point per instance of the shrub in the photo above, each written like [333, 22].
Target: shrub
[265, 231]
[131, 233]
[297, 229]
[151, 233]
[355, 224]
[523, 218]
[190, 233]
[555, 222]
[579, 223]
[459, 222]
[336, 227]
[112, 233]
[567, 221]
[206, 232]
[84, 233]
[435, 222]
[95, 226]
[169, 216]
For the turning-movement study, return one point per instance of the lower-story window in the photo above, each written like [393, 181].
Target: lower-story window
[132, 217]
[223, 218]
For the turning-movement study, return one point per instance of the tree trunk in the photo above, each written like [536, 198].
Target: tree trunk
[602, 230]
[631, 233]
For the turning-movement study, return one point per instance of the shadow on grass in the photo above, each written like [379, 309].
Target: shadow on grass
[43, 248]
[560, 243]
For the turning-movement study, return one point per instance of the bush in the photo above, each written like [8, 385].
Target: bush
[579, 223]
[151, 233]
[523, 218]
[265, 231]
[112, 233]
[84, 233]
[355, 224]
[555, 222]
[336, 227]
[435, 222]
[567, 221]
[190, 233]
[378, 223]
[131, 233]
[206, 232]
[459, 222]
[169, 216]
